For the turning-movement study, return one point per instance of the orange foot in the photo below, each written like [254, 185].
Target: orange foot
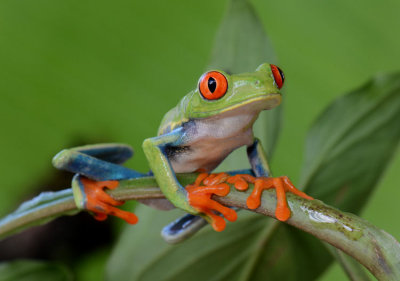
[199, 197]
[281, 185]
[102, 204]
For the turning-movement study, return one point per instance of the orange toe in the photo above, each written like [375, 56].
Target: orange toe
[217, 222]
[282, 213]
[199, 197]
[290, 187]
[215, 179]
[281, 185]
[100, 216]
[253, 202]
[241, 181]
[102, 204]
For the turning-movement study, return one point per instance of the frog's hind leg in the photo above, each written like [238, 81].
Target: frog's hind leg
[116, 153]
[182, 228]
[97, 168]
[97, 162]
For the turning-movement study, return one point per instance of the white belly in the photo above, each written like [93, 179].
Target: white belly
[214, 140]
[207, 155]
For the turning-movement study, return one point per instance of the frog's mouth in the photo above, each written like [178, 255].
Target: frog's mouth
[263, 102]
[255, 104]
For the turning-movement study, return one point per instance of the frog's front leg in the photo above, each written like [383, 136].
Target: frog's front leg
[194, 199]
[187, 225]
[96, 169]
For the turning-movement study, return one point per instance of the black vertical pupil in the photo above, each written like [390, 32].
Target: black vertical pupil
[282, 75]
[212, 84]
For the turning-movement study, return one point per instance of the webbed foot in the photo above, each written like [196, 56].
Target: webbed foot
[199, 196]
[281, 185]
[100, 203]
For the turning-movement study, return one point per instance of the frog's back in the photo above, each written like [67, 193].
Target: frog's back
[175, 117]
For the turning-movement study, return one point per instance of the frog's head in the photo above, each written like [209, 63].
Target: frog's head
[219, 93]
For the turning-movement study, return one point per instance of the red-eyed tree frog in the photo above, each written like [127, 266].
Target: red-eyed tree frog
[196, 136]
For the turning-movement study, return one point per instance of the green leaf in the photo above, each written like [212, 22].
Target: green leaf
[141, 254]
[352, 142]
[26, 270]
[139, 244]
[354, 270]
[241, 43]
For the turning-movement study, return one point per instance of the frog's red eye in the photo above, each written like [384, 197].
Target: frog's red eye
[279, 77]
[213, 85]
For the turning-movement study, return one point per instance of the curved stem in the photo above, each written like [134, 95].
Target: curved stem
[39, 210]
[374, 248]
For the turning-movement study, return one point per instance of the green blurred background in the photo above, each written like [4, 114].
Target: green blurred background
[74, 72]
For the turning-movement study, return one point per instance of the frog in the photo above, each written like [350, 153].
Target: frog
[207, 125]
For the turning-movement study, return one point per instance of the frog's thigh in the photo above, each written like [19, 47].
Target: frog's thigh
[77, 162]
[116, 153]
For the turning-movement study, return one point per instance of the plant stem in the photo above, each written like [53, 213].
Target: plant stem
[374, 248]
[39, 210]
[377, 250]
